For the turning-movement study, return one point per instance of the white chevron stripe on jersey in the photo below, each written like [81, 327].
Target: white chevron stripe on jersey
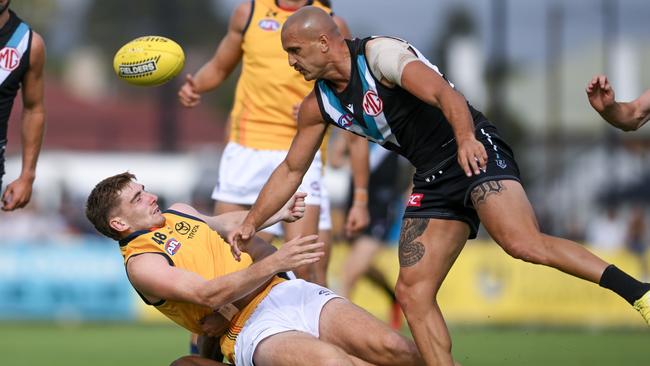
[19, 41]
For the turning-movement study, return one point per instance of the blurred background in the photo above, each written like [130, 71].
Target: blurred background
[63, 291]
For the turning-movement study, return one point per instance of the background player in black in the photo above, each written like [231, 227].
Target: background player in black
[431, 241]
[628, 116]
[28, 75]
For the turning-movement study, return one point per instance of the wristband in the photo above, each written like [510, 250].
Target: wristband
[228, 311]
[360, 196]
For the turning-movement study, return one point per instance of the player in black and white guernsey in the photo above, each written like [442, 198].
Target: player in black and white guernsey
[383, 89]
[22, 57]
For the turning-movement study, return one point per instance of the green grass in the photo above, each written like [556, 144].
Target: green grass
[543, 347]
[36, 344]
[91, 345]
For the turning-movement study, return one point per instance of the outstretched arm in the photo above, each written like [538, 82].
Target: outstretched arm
[625, 116]
[222, 63]
[287, 176]
[19, 192]
[152, 275]
[224, 223]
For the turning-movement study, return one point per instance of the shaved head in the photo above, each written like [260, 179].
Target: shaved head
[313, 42]
[311, 22]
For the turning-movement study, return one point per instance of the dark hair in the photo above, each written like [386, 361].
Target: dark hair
[327, 3]
[103, 200]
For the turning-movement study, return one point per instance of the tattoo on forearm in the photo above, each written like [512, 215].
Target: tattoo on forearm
[481, 192]
[410, 250]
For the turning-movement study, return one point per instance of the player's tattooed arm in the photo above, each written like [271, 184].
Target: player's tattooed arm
[411, 250]
[486, 189]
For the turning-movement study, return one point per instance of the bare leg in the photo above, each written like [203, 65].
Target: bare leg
[308, 225]
[510, 220]
[427, 250]
[323, 264]
[359, 334]
[195, 361]
[299, 349]
[357, 263]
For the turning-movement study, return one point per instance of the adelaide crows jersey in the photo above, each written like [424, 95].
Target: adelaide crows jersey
[392, 117]
[268, 88]
[189, 243]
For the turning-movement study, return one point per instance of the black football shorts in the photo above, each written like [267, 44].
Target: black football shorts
[444, 191]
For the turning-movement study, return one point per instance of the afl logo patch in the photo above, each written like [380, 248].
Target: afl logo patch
[172, 246]
[372, 104]
[345, 120]
[9, 58]
[269, 25]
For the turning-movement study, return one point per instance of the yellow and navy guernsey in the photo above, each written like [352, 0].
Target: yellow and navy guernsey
[262, 114]
[187, 242]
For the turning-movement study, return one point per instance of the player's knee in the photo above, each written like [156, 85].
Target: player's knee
[529, 250]
[185, 361]
[331, 356]
[410, 296]
[395, 347]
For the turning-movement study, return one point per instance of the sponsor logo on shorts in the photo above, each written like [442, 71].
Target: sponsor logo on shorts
[9, 58]
[315, 186]
[415, 200]
[345, 120]
[501, 163]
[372, 104]
[270, 25]
[172, 246]
[325, 292]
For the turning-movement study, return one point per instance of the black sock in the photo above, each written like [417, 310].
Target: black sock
[378, 278]
[623, 284]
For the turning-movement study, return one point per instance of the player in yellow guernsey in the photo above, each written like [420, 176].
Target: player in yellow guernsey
[263, 123]
[177, 261]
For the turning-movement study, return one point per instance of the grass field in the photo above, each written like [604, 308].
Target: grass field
[143, 345]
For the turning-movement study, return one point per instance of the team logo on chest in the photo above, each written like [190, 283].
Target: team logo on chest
[346, 120]
[9, 58]
[372, 104]
[270, 25]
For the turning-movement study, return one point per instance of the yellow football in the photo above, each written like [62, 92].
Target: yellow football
[149, 61]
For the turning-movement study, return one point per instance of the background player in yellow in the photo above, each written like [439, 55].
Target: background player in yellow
[627, 116]
[262, 121]
[177, 261]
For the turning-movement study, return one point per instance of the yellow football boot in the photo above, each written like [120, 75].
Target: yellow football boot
[642, 305]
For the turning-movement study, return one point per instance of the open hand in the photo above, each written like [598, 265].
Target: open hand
[298, 252]
[600, 93]
[239, 238]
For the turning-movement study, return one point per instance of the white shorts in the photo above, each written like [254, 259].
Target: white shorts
[290, 306]
[243, 171]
